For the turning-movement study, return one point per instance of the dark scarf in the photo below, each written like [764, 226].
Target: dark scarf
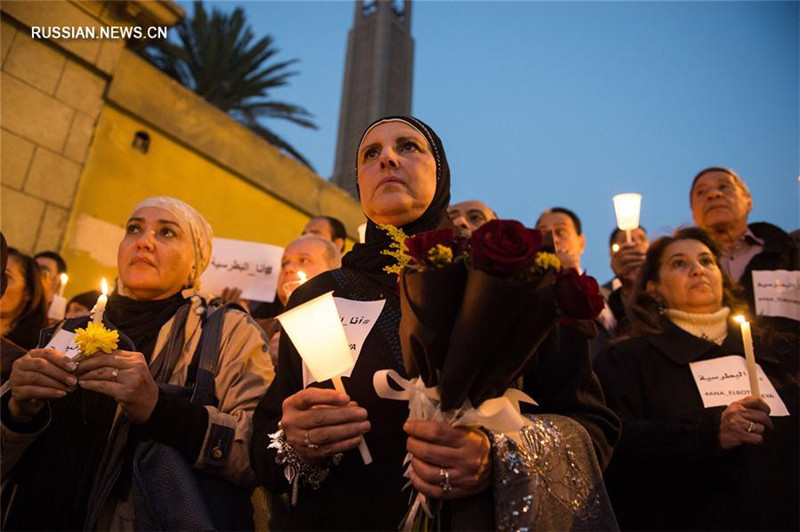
[141, 321]
[83, 420]
[367, 257]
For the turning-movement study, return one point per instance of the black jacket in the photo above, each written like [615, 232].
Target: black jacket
[781, 252]
[668, 470]
[355, 496]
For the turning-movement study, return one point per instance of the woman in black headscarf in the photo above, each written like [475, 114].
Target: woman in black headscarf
[308, 435]
[403, 180]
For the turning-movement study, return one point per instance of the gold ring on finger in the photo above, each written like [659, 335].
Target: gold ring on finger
[444, 480]
[115, 374]
[751, 427]
[308, 443]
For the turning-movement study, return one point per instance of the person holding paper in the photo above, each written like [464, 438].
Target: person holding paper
[681, 465]
[403, 180]
[721, 204]
[72, 429]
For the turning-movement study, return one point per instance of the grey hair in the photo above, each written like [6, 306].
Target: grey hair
[332, 255]
[738, 180]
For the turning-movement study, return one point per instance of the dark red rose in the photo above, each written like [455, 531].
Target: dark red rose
[578, 295]
[419, 244]
[504, 247]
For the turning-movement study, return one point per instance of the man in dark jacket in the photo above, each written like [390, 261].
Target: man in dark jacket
[721, 203]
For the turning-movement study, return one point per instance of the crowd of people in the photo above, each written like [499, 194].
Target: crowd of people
[207, 387]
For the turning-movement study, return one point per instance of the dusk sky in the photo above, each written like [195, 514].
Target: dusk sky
[568, 103]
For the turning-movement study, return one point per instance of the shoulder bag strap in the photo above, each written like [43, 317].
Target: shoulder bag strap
[210, 341]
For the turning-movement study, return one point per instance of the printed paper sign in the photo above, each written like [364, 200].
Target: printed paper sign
[723, 380]
[64, 342]
[358, 318]
[250, 266]
[777, 293]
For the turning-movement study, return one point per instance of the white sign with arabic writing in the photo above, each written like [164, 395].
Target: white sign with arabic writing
[358, 319]
[723, 380]
[64, 342]
[250, 266]
[777, 293]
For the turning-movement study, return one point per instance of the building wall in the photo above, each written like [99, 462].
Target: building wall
[52, 93]
[71, 172]
[117, 176]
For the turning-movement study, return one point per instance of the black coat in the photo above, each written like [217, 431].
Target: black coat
[668, 471]
[355, 496]
[781, 252]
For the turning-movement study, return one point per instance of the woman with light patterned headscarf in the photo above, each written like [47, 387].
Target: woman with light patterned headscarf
[70, 427]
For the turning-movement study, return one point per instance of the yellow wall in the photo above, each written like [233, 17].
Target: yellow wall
[117, 177]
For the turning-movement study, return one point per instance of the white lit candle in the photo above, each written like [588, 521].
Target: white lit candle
[749, 355]
[316, 331]
[290, 286]
[64, 279]
[627, 208]
[100, 306]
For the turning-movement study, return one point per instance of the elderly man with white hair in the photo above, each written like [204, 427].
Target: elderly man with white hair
[721, 204]
[304, 258]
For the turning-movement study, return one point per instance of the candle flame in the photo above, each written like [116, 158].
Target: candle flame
[302, 277]
[739, 319]
[104, 286]
[64, 278]
[615, 248]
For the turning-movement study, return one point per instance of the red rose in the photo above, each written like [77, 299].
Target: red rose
[503, 247]
[419, 244]
[578, 295]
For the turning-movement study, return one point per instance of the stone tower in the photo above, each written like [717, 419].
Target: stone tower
[377, 77]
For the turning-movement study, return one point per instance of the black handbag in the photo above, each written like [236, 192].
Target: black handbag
[167, 492]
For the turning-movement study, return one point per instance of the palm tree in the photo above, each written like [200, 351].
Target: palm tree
[218, 59]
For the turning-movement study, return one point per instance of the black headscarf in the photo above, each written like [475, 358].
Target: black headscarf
[141, 321]
[367, 257]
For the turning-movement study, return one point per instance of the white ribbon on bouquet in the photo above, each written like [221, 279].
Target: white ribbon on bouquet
[501, 414]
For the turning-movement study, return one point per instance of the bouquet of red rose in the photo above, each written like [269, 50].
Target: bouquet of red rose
[514, 295]
[472, 319]
[431, 290]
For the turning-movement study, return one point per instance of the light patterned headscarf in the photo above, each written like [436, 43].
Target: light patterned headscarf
[193, 224]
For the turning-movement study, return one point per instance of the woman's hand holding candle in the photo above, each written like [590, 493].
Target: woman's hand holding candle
[39, 375]
[744, 421]
[319, 423]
